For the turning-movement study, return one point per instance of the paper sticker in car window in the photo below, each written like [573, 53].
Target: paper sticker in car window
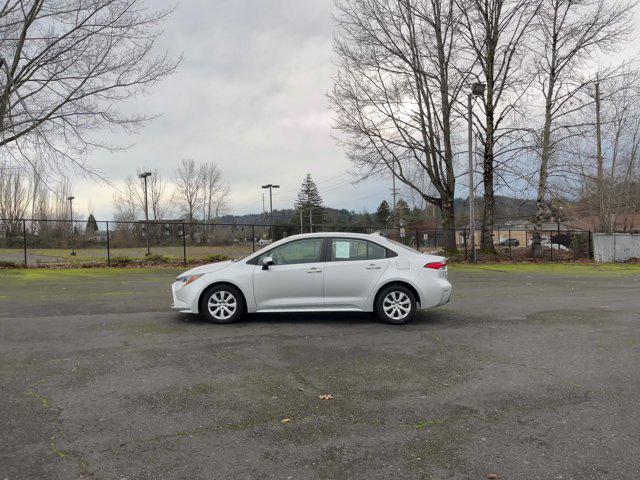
[342, 249]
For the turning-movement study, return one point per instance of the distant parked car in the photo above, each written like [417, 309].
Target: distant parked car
[510, 242]
[318, 272]
[263, 242]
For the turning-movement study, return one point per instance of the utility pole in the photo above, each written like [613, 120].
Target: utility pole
[301, 226]
[394, 193]
[146, 209]
[310, 219]
[433, 216]
[73, 250]
[599, 160]
[264, 217]
[599, 136]
[270, 186]
[477, 89]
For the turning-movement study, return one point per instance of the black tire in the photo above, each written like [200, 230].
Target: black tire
[228, 298]
[395, 313]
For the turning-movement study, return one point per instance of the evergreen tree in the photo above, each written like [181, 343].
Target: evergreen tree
[402, 210]
[309, 199]
[383, 214]
[416, 215]
[92, 225]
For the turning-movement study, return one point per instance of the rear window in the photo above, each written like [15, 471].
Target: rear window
[404, 247]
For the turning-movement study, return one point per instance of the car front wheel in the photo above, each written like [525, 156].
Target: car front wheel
[222, 304]
[396, 304]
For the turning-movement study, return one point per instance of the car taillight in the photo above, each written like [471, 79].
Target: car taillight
[436, 265]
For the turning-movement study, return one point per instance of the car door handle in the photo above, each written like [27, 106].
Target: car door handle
[373, 267]
[314, 270]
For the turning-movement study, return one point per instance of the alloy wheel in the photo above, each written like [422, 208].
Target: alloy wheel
[396, 305]
[222, 305]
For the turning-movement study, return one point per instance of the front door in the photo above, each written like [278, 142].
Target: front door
[353, 269]
[295, 281]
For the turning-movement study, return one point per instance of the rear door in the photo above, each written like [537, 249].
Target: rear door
[353, 269]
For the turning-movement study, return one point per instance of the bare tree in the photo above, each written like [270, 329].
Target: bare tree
[214, 190]
[14, 200]
[395, 93]
[495, 32]
[189, 188]
[129, 202]
[126, 203]
[160, 196]
[568, 34]
[609, 180]
[65, 65]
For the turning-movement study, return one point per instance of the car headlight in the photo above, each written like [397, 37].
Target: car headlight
[187, 279]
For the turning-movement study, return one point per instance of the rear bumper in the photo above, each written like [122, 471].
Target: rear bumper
[446, 295]
[436, 293]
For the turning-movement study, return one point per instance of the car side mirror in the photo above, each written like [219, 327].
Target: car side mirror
[266, 261]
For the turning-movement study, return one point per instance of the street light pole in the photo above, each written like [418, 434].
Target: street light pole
[73, 250]
[271, 186]
[146, 208]
[477, 89]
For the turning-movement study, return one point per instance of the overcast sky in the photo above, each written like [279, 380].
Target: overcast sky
[249, 96]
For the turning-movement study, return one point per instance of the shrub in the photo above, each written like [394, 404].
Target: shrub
[216, 257]
[122, 261]
[156, 259]
[8, 264]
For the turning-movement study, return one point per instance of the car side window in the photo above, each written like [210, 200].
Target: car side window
[307, 250]
[375, 251]
[351, 249]
[348, 249]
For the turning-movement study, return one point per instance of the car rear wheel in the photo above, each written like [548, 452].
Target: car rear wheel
[222, 304]
[395, 304]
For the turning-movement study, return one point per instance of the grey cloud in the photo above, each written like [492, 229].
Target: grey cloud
[249, 96]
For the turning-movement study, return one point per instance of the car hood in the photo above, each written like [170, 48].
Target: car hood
[208, 268]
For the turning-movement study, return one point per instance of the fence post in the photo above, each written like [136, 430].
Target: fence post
[184, 244]
[417, 240]
[253, 239]
[589, 250]
[108, 248]
[510, 256]
[466, 251]
[24, 242]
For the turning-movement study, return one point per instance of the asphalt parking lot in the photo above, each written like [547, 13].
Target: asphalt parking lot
[529, 373]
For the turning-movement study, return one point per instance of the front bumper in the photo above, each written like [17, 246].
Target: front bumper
[178, 302]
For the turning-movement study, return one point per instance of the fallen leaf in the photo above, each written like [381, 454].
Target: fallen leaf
[326, 396]
[286, 420]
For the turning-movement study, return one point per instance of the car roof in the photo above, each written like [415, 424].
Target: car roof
[364, 236]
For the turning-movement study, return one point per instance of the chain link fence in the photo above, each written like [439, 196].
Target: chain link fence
[25, 242]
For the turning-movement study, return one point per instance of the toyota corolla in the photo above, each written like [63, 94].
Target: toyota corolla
[317, 272]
